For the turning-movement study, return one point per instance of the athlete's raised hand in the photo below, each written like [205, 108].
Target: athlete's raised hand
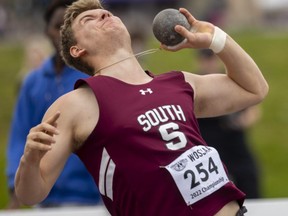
[199, 36]
[41, 138]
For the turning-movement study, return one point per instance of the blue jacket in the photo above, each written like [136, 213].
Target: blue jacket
[39, 90]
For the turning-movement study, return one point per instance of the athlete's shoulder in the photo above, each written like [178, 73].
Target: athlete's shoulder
[79, 108]
[90, 80]
[170, 75]
[79, 96]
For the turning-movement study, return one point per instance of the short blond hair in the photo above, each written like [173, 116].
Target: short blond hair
[67, 35]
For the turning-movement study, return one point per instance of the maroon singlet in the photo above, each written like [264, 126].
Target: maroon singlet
[142, 129]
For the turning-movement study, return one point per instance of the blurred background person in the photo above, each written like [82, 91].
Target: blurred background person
[228, 134]
[39, 90]
[36, 49]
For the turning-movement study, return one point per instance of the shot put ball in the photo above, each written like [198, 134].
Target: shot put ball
[164, 23]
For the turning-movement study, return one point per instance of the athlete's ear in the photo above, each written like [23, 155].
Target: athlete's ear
[77, 52]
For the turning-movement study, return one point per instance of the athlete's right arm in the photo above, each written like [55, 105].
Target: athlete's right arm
[63, 129]
[31, 186]
[48, 146]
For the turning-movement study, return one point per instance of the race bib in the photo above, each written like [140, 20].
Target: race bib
[198, 172]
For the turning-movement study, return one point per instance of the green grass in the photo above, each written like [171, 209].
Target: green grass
[10, 62]
[269, 137]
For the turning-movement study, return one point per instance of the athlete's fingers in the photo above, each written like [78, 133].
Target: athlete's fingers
[46, 128]
[176, 47]
[191, 19]
[38, 145]
[49, 126]
[53, 118]
[41, 137]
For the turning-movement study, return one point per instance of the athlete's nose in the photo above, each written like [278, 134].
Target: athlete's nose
[106, 14]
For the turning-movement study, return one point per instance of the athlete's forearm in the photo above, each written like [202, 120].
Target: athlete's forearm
[30, 187]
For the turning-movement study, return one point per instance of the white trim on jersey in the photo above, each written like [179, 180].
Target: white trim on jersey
[107, 169]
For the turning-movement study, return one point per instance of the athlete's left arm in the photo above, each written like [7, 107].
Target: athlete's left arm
[242, 86]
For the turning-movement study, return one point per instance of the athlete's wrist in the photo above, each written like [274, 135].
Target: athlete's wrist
[218, 41]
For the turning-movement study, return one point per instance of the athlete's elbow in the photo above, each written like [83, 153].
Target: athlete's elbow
[28, 199]
[263, 92]
[28, 194]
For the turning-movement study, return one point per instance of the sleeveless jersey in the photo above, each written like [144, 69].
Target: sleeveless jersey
[142, 129]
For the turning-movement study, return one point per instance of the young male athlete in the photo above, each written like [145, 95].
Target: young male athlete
[137, 133]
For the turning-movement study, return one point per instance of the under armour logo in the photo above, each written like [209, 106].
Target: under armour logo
[143, 92]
